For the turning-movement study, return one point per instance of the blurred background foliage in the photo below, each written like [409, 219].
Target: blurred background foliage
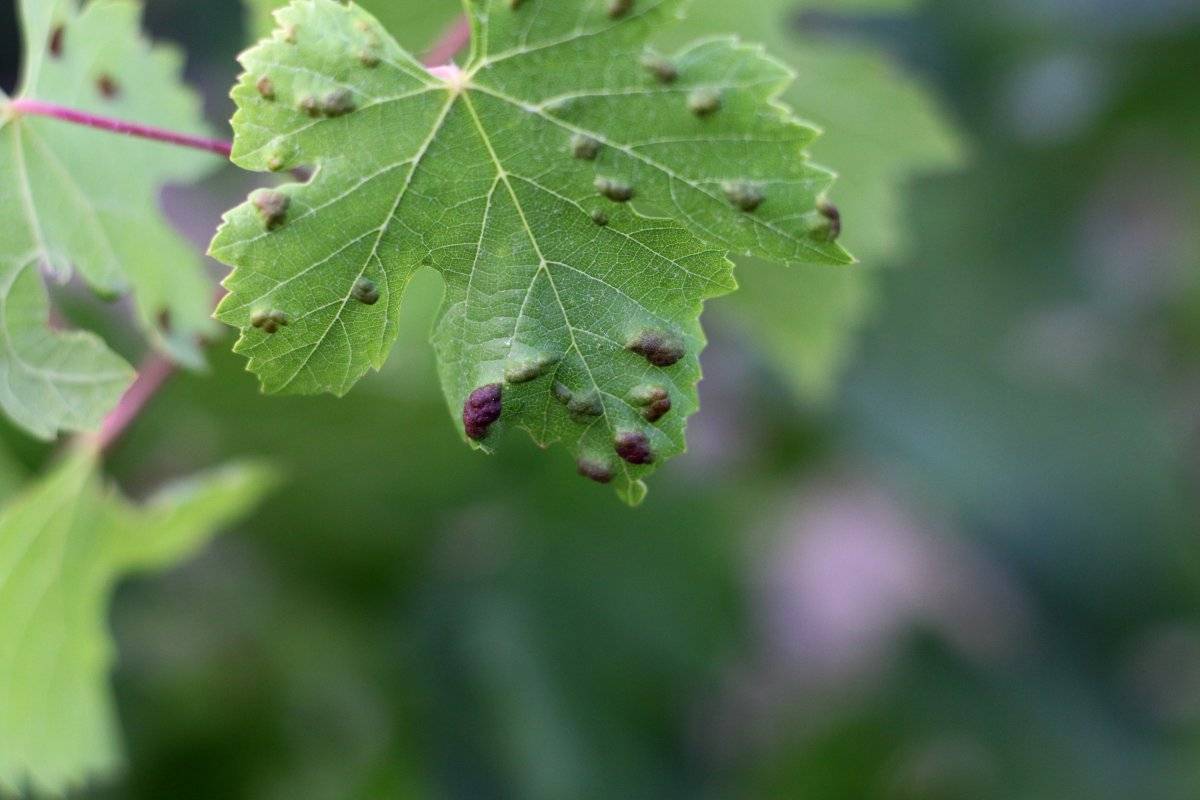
[936, 537]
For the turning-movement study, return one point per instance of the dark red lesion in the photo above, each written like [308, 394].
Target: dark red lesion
[56, 41]
[482, 408]
[107, 86]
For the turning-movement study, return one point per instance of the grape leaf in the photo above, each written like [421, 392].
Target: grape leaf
[415, 24]
[882, 128]
[64, 543]
[78, 198]
[570, 311]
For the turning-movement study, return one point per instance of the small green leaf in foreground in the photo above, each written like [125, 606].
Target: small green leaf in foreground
[576, 194]
[76, 198]
[64, 543]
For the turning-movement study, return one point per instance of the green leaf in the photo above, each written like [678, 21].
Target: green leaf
[77, 198]
[64, 544]
[569, 312]
[882, 128]
[416, 24]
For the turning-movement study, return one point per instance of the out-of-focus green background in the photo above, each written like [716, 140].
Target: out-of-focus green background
[949, 552]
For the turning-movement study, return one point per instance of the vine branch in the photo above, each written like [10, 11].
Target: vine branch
[55, 111]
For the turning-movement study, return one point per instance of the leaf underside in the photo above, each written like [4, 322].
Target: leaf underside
[578, 205]
[78, 199]
[64, 543]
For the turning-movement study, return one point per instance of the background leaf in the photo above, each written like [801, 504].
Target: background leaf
[85, 200]
[64, 543]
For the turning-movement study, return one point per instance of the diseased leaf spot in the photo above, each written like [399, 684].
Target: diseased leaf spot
[660, 348]
[266, 88]
[654, 401]
[482, 408]
[634, 447]
[365, 291]
[527, 368]
[594, 469]
[584, 147]
[269, 321]
[309, 105]
[337, 103]
[289, 33]
[743, 194]
[515, 4]
[368, 58]
[704, 101]
[824, 224]
[661, 68]
[600, 218]
[107, 86]
[614, 190]
[619, 8]
[56, 41]
[272, 208]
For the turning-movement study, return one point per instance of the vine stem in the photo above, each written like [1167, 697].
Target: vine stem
[156, 370]
[42, 108]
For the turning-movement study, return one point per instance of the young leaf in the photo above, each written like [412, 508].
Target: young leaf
[520, 178]
[73, 197]
[883, 128]
[64, 543]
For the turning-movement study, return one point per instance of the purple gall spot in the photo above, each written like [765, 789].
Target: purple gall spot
[664, 71]
[592, 469]
[704, 102]
[365, 291]
[272, 208]
[259, 318]
[482, 408]
[600, 218]
[279, 318]
[619, 8]
[830, 212]
[585, 148]
[107, 87]
[56, 41]
[614, 190]
[266, 88]
[746, 196]
[634, 447]
[654, 401]
[659, 348]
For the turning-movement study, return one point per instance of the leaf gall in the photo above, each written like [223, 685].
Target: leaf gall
[658, 347]
[272, 208]
[584, 147]
[634, 447]
[481, 409]
[594, 469]
[743, 194]
[365, 291]
[614, 190]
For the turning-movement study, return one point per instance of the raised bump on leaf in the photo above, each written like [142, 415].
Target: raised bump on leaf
[660, 348]
[654, 401]
[599, 217]
[584, 147]
[594, 469]
[619, 8]
[56, 41]
[615, 190]
[107, 86]
[266, 88]
[634, 447]
[663, 69]
[743, 194]
[482, 409]
[527, 366]
[337, 103]
[704, 101]
[824, 224]
[272, 207]
[365, 291]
